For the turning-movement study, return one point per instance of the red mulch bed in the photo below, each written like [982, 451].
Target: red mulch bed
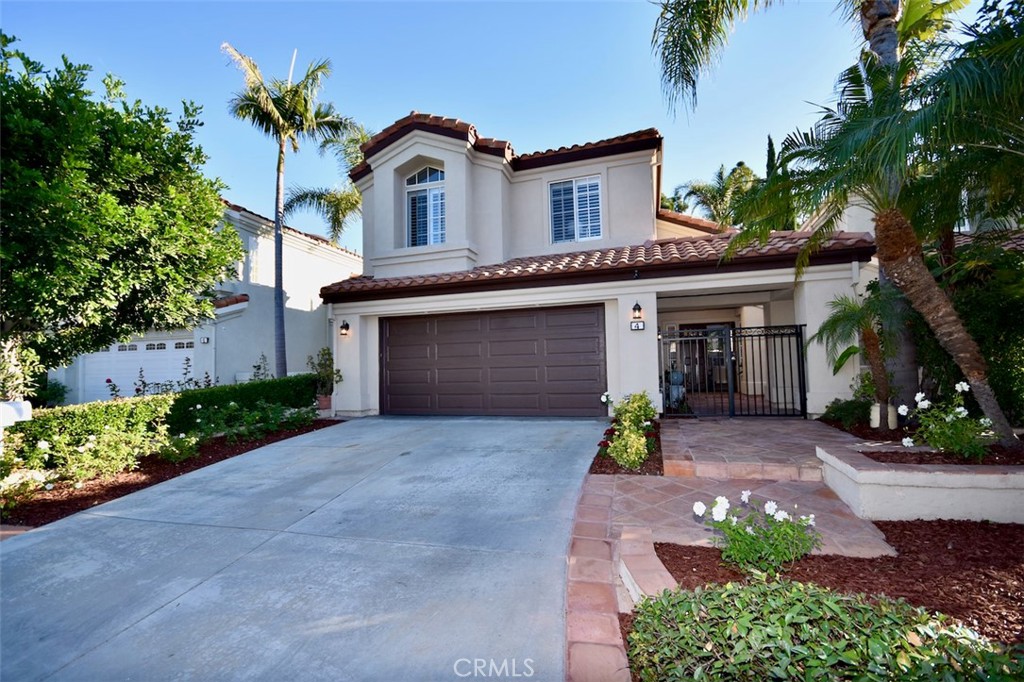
[970, 570]
[64, 500]
[997, 454]
[653, 466]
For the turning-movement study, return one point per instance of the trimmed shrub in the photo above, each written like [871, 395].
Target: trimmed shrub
[293, 391]
[628, 448]
[849, 412]
[79, 442]
[787, 630]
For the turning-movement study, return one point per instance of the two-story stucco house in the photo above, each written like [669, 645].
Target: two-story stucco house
[227, 347]
[498, 283]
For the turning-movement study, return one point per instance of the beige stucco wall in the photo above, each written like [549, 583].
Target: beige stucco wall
[669, 230]
[493, 213]
[632, 356]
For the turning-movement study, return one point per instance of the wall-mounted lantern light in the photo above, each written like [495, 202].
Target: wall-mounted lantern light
[637, 322]
[343, 328]
[204, 339]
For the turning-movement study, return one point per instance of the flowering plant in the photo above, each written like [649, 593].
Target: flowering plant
[606, 398]
[949, 427]
[763, 539]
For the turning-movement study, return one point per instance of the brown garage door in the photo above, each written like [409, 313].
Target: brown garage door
[537, 362]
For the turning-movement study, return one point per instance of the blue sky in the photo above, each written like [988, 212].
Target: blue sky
[538, 74]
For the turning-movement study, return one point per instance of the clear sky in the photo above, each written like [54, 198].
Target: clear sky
[538, 74]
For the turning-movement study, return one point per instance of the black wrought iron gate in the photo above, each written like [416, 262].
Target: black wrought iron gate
[734, 372]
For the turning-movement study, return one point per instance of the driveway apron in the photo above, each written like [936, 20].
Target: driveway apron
[379, 549]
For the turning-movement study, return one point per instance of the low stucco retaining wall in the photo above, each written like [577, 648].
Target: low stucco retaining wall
[905, 492]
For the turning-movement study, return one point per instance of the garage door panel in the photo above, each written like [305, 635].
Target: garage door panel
[545, 361]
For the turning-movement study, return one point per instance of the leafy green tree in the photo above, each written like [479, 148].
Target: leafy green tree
[338, 204]
[109, 226]
[287, 112]
[867, 325]
[719, 198]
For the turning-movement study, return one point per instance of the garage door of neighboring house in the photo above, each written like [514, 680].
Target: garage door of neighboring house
[536, 362]
[160, 359]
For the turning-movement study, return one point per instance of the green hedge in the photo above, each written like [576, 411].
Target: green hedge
[789, 630]
[293, 391]
[101, 438]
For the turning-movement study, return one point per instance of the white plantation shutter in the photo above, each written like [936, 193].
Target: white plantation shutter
[563, 224]
[576, 209]
[426, 207]
[437, 216]
[588, 208]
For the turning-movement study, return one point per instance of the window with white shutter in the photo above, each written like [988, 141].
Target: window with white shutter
[576, 209]
[425, 219]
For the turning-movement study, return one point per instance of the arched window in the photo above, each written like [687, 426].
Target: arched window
[424, 202]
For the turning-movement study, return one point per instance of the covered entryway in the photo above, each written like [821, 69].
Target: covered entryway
[721, 370]
[534, 362]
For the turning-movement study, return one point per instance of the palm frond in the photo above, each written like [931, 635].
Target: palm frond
[336, 206]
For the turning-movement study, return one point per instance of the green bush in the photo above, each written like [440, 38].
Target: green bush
[948, 427]
[293, 391]
[635, 410]
[628, 447]
[849, 412]
[786, 630]
[765, 539]
[95, 439]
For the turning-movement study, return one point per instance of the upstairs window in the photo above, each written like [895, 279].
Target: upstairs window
[576, 209]
[424, 202]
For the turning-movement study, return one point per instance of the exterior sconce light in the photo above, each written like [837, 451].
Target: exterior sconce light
[204, 339]
[637, 323]
[343, 328]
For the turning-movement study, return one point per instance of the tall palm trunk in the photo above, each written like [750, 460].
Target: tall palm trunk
[879, 19]
[876, 361]
[280, 355]
[899, 253]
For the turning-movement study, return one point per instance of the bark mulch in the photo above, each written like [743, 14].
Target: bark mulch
[970, 570]
[64, 500]
[997, 454]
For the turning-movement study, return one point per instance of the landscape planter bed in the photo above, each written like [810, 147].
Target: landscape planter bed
[903, 492]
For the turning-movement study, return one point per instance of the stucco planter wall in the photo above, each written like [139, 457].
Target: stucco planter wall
[904, 492]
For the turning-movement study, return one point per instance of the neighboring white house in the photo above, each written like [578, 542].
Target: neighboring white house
[227, 347]
[498, 283]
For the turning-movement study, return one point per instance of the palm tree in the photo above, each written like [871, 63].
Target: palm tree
[689, 36]
[675, 202]
[867, 325]
[337, 205]
[882, 144]
[719, 197]
[286, 112]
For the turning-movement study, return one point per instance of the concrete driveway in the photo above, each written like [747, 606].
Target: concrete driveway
[379, 549]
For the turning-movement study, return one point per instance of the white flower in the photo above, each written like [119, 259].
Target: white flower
[962, 387]
[903, 410]
[918, 397]
[733, 520]
[43, 445]
[199, 407]
[809, 520]
[985, 421]
[78, 485]
[924, 404]
[605, 397]
[748, 529]
[647, 423]
[722, 501]
[80, 448]
[181, 435]
[961, 411]
[92, 438]
[745, 496]
[199, 421]
[781, 516]
[699, 508]
[950, 417]
[770, 507]
[106, 427]
[719, 512]
[908, 442]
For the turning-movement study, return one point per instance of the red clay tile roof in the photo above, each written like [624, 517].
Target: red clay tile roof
[693, 222]
[461, 130]
[230, 300]
[1009, 240]
[313, 237]
[663, 258]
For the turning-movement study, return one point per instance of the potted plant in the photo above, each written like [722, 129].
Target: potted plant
[326, 376]
[865, 325]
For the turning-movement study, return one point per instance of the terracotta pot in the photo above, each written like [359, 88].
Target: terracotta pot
[323, 402]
